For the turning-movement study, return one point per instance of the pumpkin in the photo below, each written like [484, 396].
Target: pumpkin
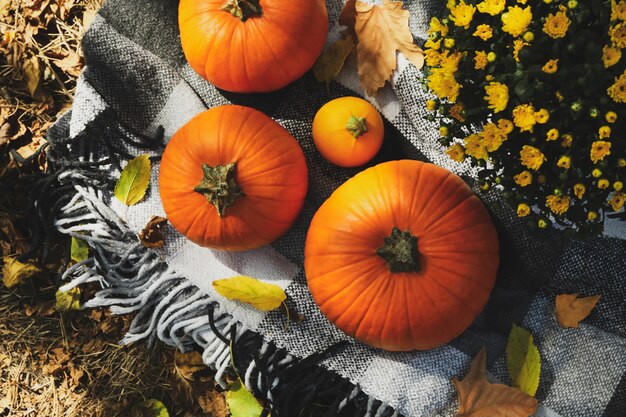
[232, 179]
[251, 45]
[402, 256]
[348, 131]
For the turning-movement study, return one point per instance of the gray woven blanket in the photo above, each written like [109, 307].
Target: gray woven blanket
[137, 90]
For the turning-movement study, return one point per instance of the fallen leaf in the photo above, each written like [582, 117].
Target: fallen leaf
[381, 31]
[133, 183]
[523, 360]
[347, 17]
[330, 62]
[71, 64]
[32, 74]
[241, 402]
[187, 364]
[152, 235]
[213, 403]
[15, 272]
[570, 309]
[480, 398]
[79, 250]
[150, 408]
[67, 301]
[258, 294]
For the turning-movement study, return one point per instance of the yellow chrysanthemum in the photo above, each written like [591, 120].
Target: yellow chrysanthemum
[617, 201]
[518, 44]
[618, 90]
[492, 7]
[556, 25]
[618, 10]
[603, 184]
[450, 61]
[483, 32]
[480, 60]
[505, 125]
[432, 57]
[437, 27]
[564, 162]
[621, 162]
[600, 149]
[553, 134]
[579, 190]
[531, 157]
[475, 147]
[610, 56]
[431, 44]
[596, 173]
[443, 84]
[524, 117]
[592, 215]
[431, 105]
[516, 20]
[542, 116]
[566, 140]
[493, 137]
[618, 185]
[462, 14]
[604, 132]
[523, 179]
[551, 66]
[523, 210]
[610, 117]
[456, 152]
[558, 204]
[618, 35]
[497, 95]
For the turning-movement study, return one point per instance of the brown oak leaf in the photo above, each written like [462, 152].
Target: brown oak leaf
[381, 31]
[480, 398]
[570, 309]
[152, 235]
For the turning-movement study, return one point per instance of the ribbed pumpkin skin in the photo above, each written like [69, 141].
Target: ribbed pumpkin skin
[402, 311]
[271, 171]
[264, 53]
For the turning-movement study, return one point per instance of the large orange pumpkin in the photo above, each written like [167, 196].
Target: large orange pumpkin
[252, 45]
[233, 179]
[402, 256]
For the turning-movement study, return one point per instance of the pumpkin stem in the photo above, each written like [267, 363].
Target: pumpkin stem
[400, 251]
[219, 187]
[243, 9]
[356, 126]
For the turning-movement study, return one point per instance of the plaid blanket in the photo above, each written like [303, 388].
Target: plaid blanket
[137, 90]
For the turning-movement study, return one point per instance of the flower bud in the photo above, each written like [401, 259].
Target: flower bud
[618, 185]
[592, 215]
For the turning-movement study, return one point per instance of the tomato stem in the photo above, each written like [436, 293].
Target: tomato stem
[400, 251]
[218, 186]
[357, 126]
[243, 9]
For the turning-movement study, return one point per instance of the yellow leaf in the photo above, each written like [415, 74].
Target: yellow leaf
[570, 309]
[66, 301]
[381, 31]
[15, 272]
[330, 62]
[258, 294]
[523, 360]
[241, 402]
[480, 398]
[79, 250]
[133, 183]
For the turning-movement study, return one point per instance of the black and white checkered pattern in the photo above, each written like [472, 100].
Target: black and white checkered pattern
[135, 66]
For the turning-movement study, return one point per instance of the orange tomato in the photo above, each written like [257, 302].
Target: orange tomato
[348, 131]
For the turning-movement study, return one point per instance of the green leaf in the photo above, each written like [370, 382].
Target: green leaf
[523, 360]
[150, 408]
[330, 62]
[67, 301]
[241, 402]
[258, 294]
[79, 250]
[133, 183]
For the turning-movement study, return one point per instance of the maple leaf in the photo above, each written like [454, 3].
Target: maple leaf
[570, 309]
[381, 31]
[480, 398]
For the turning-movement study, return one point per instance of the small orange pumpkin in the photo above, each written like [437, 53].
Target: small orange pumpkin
[348, 131]
[252, 45]
[232, 179]
[402, 256]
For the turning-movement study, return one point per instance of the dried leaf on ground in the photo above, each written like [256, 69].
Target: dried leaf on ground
[241, 402]
[79, 250]
[258, 294]
[381, 31]
[68, 301]
[152, 235]
[150, 408]
[523, 360]
[571, 310]
[480, 398]
[15, 272]
[32, 73]
[331, 61]
[187, 364]
[71, 64]
[134, 180]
